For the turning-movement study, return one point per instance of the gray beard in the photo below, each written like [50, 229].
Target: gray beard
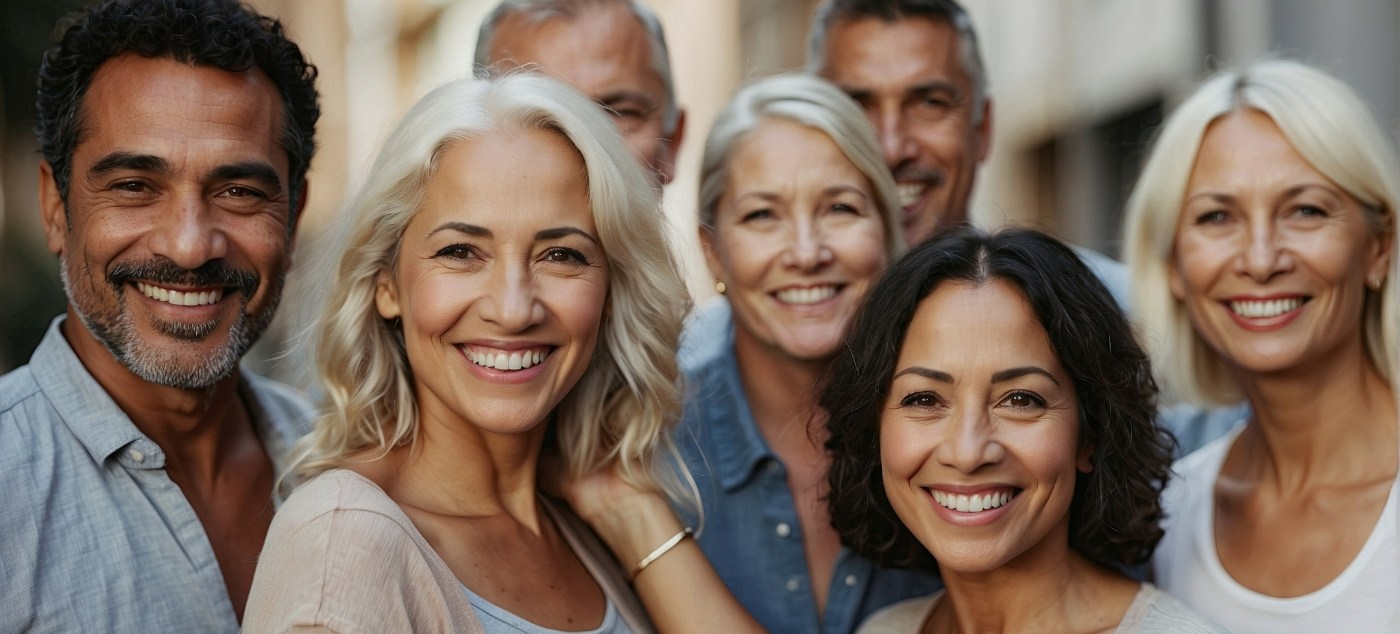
[178, 368]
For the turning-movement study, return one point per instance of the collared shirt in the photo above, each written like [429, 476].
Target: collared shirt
[751, 530]
[94, 535]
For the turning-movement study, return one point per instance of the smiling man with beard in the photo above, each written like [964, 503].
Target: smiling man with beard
[139, 460]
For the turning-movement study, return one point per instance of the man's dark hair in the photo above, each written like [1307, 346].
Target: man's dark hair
[219, 33]
[1116, 508]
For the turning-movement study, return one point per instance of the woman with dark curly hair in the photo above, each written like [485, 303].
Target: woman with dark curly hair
[992, 419]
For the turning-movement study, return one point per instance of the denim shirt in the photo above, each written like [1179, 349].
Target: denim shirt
[94, 535]
[751, 530]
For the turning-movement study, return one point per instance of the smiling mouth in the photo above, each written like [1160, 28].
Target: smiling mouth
[1263, 309]
[809, 295]
[976, 503]
[508, 360]
[180, 298]
[910, 193]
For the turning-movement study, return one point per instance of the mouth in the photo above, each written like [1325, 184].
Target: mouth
[911, 193]
[176, 297]
[977, 502]
[806, 295]
[1266, 308]
[507, 360]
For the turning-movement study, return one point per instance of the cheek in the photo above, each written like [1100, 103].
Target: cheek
[904, 448]
[433, 304]
[861, 248]
[747, 255]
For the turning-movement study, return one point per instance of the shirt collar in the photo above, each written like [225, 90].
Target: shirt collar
[104, 429]
[739, 449]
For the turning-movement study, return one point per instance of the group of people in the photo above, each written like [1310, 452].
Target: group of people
[887, 422]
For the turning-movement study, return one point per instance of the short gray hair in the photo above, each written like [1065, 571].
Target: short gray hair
[812, 102]
[832, 11]
[541, 10]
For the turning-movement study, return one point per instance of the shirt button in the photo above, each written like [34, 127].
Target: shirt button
[783, 530]
[793, 584]
[851, 581]
[137, 456]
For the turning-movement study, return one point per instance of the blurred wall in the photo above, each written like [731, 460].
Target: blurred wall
[1078, 85]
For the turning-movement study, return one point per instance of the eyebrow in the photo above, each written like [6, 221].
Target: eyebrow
[1287, 193]
[124, 160]
[260, 171]
[1004, 375]
[541, 235]
[607, 100]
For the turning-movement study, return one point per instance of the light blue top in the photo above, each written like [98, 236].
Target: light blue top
[751, 533]
[498, 620]
[94, 535]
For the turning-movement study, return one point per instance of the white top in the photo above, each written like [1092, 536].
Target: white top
[1152, 612]
[1365, 597]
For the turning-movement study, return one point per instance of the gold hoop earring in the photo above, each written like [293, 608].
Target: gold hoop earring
[720, 287]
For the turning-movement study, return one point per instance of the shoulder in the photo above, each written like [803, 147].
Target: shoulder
[340, 554]
[706, 331]
[1111, 272]
[905, 617]
[17, 387]
[1156, 612]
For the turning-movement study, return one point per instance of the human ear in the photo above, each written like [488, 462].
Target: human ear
[51, 210]
[1084, 458]
[386, 296]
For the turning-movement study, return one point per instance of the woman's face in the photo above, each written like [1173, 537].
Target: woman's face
[979, 437]
[500, 281]
[1271, 258]
[798, 239]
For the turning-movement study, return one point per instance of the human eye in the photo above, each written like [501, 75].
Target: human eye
[845, 208]
[1023, 400]
[454, 252]
[1212, 217]
[565, 255]
[923, 399]
[1310, 211]
[132, 187]
[756, 214]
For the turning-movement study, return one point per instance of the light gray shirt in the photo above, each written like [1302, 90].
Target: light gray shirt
[94, 535]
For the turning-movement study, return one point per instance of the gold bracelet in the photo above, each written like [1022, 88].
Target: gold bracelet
[660, 550]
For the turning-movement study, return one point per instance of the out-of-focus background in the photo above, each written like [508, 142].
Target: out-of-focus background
[1079, 86]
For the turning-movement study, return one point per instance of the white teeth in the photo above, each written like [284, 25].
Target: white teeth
[510, 361]
[909, 193]
[806, 295]
[972, 504]
[1265, 308]
[179, 298]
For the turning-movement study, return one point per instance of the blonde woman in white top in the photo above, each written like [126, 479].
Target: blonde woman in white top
[1262, 238]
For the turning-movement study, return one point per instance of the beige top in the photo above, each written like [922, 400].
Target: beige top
[342, 556]
[1152, 612]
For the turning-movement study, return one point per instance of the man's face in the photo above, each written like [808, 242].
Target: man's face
[175, 236]
[909, 79]
[605, 53]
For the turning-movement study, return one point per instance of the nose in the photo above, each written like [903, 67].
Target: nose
[510, 300]
[807, 251]
[1264, 255]
[895, 143]
[188, 234]
[968, 441]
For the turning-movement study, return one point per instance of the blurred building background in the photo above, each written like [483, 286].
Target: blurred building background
[1079, 86]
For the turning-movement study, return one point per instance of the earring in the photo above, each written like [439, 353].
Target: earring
[720, 287]
[1376, 283]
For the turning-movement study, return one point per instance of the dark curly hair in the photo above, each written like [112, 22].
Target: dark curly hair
[219, 33]
[1116, 509]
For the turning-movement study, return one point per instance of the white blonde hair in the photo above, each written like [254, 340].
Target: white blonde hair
[1331, 128]
[623, 407]
[817, 104]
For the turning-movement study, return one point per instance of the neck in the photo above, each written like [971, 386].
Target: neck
[456, 468]
[191, 426]
[781, 390]
[1048, 588]
[1326, 423]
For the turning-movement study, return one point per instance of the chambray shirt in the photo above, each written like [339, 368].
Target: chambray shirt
[751, 531]
[94, 535]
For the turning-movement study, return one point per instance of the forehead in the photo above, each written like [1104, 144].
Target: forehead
[181, 113]
[871, 53]
[991, 324]
[778, 149]
[1246, 144]
[601, 49]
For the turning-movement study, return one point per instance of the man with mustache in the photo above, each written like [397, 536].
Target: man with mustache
[139, 460]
